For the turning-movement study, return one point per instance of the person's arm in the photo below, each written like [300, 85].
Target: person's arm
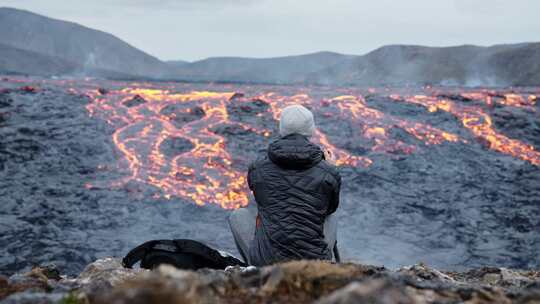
[334, 197]
[250, 177]
[334, 181]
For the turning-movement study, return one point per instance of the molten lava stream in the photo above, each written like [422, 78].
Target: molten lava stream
[200, 168]
[479, 123]
[203, 173]
[376, 124]
[490, 97]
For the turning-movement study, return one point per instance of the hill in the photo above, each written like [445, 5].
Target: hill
[517, 64]
[282, 70]
[38, 45]
[18, 61]
[74, 43]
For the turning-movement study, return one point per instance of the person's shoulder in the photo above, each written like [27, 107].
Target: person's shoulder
[261, 160]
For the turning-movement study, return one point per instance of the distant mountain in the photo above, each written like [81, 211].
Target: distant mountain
[74, 43]
[37, 45]
[290, 69]
[17, 61]
[517, 64]
[514, 64]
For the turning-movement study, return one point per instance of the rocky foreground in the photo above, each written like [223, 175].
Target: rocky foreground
[106, 281]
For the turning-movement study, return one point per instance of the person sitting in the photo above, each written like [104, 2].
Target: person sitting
[296, 192]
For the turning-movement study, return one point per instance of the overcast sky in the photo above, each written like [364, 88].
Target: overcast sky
[196, 29]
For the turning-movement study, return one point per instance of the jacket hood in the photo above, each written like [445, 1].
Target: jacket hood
[295, 152]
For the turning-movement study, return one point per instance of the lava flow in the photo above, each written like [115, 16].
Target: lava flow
[480, 123]
[201, 169]
[167, 135]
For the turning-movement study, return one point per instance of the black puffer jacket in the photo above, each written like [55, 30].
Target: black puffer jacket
[295, 189]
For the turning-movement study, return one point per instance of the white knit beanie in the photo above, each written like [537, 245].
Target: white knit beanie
[296, 119]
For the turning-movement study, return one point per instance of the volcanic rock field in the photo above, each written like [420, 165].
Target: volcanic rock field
[90, 168]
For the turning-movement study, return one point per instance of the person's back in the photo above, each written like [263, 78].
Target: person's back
[296, 190]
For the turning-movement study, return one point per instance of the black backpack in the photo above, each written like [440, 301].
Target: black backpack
[182, 254]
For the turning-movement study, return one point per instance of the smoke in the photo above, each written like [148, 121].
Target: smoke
[91, 60]
[483, 82]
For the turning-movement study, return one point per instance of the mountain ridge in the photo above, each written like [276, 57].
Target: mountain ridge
[89, 48]
[64, 47]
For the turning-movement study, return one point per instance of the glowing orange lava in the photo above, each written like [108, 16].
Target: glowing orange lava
[480, 124]
[147, 117]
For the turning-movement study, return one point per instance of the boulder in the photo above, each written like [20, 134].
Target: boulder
[39, 280]
[372, 291]
[165, 285]
[423, 272]
[102, 276]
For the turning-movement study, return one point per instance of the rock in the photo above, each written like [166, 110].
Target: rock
[38, 280]
[137, 100]
[372, 291]
[511, 278]
[423, 272]
[253, 106]
[103, 91]
[106, 281]
[45, 285]
[179, 115]
[315, 276]
[501, 277]
[231, 130]
[295, 282]
[166, 285]
[50, 271]
[102, 275]
[236, 95]
[174, 146]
